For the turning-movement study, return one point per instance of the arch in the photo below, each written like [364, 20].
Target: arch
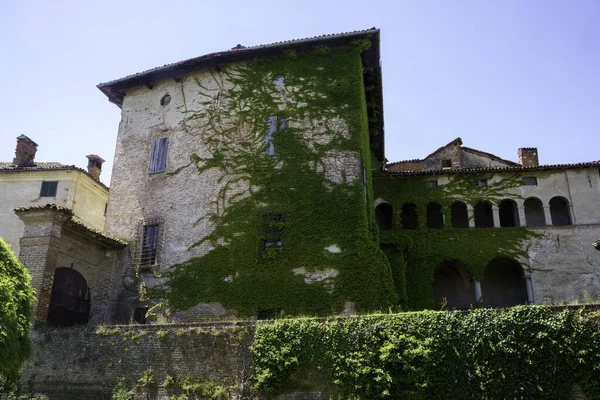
[384, 216]
[484, 218]
[503, 283]
[509, 213]
[534, 212]
[453, 285]
[459, 215]
[559, 211]
[409, 216]
[70, 299]
[435, 219]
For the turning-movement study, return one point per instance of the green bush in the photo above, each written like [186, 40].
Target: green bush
[526, 352]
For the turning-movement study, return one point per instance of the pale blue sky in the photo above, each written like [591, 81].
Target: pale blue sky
[500, 74]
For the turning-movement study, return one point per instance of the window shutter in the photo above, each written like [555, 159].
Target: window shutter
[158, 155]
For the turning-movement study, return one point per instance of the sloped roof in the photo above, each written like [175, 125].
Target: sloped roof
[45, 166]
[75, 223]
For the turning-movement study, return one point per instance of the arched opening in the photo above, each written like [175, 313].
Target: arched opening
[409, 216]
[509, 213]
[459, 215]
[503, 283]
[534, 212]
[559, 211]
[384, 216]
[70, 299]
[453, 286]
[435, 219]
[483, 215]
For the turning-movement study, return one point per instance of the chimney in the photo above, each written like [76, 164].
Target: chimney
[95, 166]
[528, 157]
[25, 152]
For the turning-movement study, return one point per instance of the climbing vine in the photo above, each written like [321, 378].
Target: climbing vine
[292, 227]
[415, 254]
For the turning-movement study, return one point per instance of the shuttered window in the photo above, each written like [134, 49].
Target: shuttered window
[158, 155]
[48, 189]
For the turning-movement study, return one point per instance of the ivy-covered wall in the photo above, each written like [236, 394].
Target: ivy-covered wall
[266, 201]
[415, 254]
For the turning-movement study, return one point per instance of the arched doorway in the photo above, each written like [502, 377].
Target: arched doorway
[534, 212]
[484, 218]
[435, 219]
[409, 216]
[509, 213]
[503, 283]
[453, 285]
[70, 299]
[459, 215]
[384, 216]
[559, 211]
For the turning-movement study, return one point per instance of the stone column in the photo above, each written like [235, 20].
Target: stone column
[471, 214]
[477, 286]
[39, 250]
[496, 215]
[522, 220]
[529, 286]
[547, 215]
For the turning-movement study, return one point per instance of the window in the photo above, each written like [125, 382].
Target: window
[481, 183]
[508, 213]
[158, 155]
[484, 218]
[435, 219]
[409, 216]
[272, 230]
[271, 130]
[559, 211]
[384, 216]
[166, 99]
[446, 163]
[530, 181]
[49, 189]
[459, 215]
[431, 184]
[139, 315]
[149, 245]
[534, 212]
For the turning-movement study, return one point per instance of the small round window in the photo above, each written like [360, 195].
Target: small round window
[165, 100]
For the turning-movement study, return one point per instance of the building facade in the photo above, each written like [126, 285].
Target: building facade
[495, 231]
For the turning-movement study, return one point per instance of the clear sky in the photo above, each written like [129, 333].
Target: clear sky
[501, 74]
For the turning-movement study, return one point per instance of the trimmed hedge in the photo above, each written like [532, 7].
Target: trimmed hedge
[526, 352]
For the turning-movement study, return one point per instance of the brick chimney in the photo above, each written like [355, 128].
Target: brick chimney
[528, 157]
[25, 152]
[95, 166]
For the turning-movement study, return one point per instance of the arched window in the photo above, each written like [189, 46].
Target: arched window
[384, 216]
[453, 286]
[70, 299]
[409, 216]
[459, 215]
[509, 213]
[503, 283]
[483, 215]
[559, 211]
[534, 212]
[435, 219]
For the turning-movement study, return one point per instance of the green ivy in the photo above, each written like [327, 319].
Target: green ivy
[321, 110]
[527, 352]
[415, 254]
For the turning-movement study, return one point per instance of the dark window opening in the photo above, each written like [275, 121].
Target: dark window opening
[509, 213]
[139, 315]
[149, 245]
[409, 216]
[534, 212]
[559, 211]
[447, 163]
[484, 218]
[70, 299]
[435, 219]
[49, 189]
[459, 215]
[166, 99]
[453, 286]
[158, 155]
[503, 284]
[481, 183]
[272, 230]
[272, 128]
[384, 214]
[530, 181]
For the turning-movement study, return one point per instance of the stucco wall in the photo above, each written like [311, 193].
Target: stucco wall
[75, 191]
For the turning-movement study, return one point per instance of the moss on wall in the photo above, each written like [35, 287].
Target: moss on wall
[415, 254]
[308, 195]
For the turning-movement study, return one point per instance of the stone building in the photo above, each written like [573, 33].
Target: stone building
[242, 180]
[52, 215]
[458, 187]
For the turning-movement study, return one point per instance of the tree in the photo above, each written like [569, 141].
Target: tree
[16, 304]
